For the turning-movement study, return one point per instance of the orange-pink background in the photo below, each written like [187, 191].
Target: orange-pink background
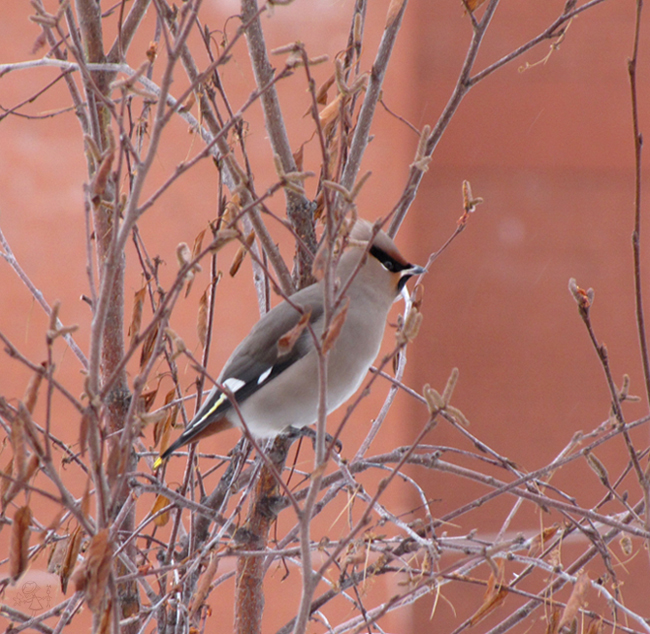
[549, 149]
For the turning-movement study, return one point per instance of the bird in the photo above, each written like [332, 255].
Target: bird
[273, 380]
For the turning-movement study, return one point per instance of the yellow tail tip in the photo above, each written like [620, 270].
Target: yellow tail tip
[158, 462]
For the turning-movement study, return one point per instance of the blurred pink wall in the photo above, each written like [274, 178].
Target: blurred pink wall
[550, 150]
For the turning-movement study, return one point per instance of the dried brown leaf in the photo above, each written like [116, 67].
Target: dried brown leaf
[160, 503]
[495, 595]
[553, 620]
[596, 626]
[5, 481]
[162, 430]
[31, 393]
[241, 254]
[189, 102]
[334, 330]
[148, 345]
[231, 212]
[107, 618]
[19, 545]
[147, 398]
[472, 5]
[321, 95]
[136, 313]
[32, 467]
[298, 157]
[55, 558]
[116, 462]
[222, 238]
[97, 568]
[329, 115]
[198, 243]
[31, 432]
[85, 501]
[19, 447]
[202, 320]
[576, 600]
[288, 340]
[70, 559]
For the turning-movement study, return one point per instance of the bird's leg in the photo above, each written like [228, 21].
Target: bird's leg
[294, 433]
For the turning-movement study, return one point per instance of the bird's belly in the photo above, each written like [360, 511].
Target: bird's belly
[295, 403]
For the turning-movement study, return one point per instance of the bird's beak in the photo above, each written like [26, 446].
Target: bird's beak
[414, 270]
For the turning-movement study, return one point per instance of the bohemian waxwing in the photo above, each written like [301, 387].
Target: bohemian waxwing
[274, 388]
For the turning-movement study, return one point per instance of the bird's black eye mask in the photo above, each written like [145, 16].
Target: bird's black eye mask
[388, 262]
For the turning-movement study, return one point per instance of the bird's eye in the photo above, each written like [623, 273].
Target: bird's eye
[389, 265]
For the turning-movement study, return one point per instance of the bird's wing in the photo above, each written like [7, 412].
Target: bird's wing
[259, 357]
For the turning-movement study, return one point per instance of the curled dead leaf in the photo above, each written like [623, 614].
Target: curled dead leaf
[19, 544]
[198, 243]
[472, 5]
[5, 481]
[97, 567]
[202, 319]
[334, 330]
[136, 313]
[19, 447]
[116, 462]
[495, 595]
[148, 345]
[576, 600]
[222, 238]
[162, 430]
[70, 558]
[288, 340]
[147, 398]
[160, 503]
[329, 115]
[31, 393]
[241, 254]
